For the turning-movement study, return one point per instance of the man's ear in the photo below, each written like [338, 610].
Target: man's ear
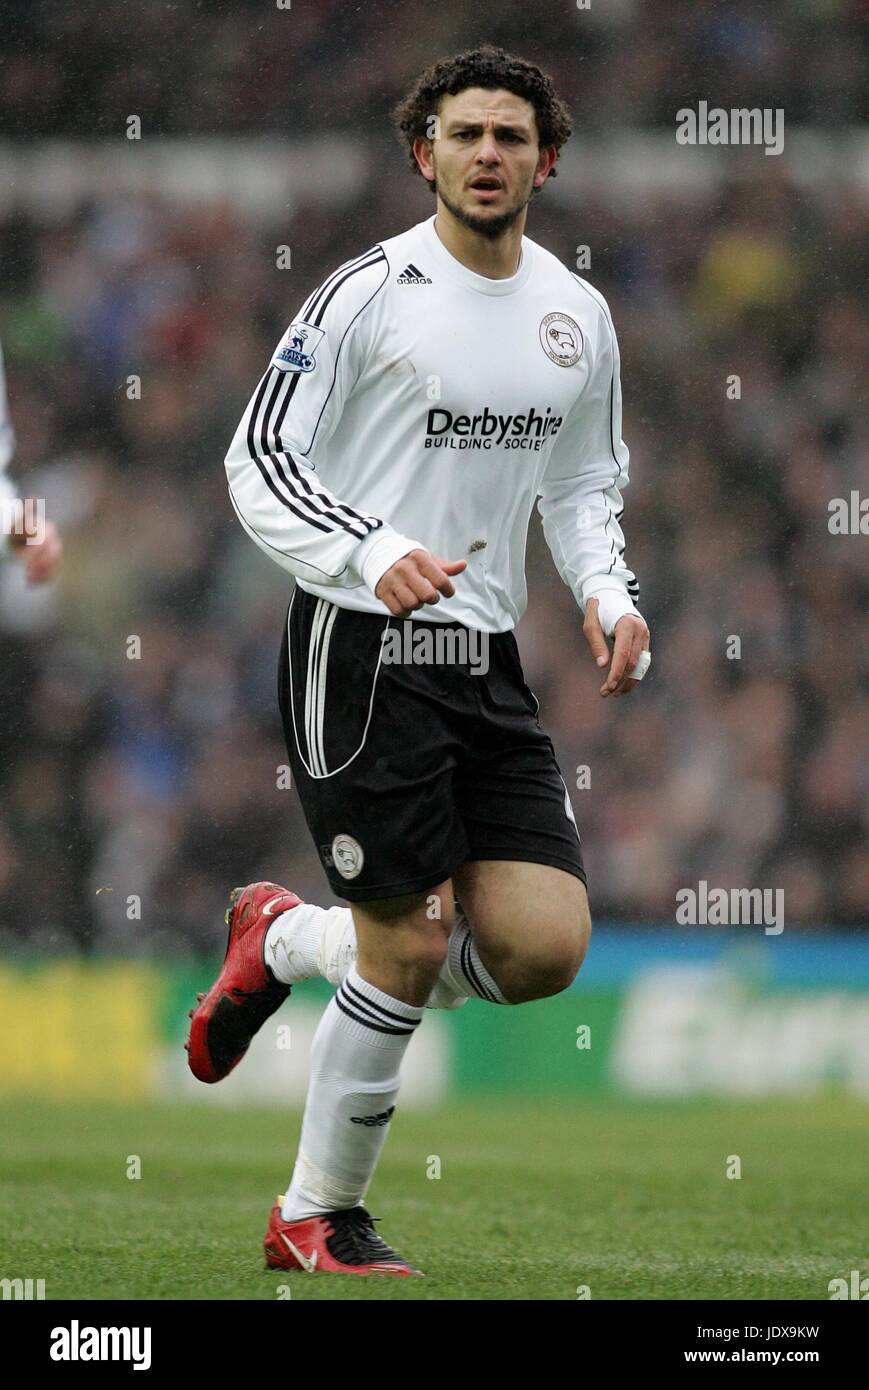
[543, 168]
[422, 150]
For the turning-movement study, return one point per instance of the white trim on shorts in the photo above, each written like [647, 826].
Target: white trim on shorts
[315, 689]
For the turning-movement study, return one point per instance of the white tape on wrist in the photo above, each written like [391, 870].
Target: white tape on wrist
[644, 661]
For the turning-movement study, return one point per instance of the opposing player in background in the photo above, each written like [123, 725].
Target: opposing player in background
[429, 391]
[23, 532]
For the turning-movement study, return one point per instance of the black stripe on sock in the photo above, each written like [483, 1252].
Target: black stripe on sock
[360, 998]
[471, 975]
[375, 1027]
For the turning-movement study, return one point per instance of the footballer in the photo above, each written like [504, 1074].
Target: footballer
[36, 542]
[426, 395]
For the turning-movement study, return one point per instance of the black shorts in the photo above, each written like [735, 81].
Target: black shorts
[410, 757]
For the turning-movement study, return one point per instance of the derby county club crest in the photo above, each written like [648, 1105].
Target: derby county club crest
[561, 339]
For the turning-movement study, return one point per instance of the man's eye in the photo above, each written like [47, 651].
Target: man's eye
[463, 134]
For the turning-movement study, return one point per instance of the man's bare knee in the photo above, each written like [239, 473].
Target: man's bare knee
[549, 965]
[403, 942]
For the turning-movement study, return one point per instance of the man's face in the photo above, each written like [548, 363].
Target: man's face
[486, 159]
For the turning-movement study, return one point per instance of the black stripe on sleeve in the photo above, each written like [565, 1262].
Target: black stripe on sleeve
[369, 257]
[294, 494]
[277, 380]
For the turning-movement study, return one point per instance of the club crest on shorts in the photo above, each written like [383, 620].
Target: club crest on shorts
[347, 856]
[296, 352]
[561, 339]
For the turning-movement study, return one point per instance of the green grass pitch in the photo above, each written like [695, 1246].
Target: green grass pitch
[533, 1201]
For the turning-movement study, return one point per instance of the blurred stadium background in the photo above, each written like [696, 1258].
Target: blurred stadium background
[156, 258]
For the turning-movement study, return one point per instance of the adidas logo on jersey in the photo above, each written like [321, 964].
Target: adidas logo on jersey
[411, 276]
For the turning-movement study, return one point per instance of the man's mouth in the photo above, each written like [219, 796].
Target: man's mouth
[487, 186]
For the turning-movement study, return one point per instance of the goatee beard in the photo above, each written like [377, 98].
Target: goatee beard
[491, 227]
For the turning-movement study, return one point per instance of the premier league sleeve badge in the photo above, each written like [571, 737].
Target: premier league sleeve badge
[296, 352]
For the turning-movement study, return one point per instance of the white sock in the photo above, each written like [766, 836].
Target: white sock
[355, 1059]
[463, 975]
[309, 941]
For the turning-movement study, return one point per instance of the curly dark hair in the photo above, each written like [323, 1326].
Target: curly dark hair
[488, 67]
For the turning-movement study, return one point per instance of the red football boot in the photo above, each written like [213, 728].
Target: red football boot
[245, 992]
[344, 1242]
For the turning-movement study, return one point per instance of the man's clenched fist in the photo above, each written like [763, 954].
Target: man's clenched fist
[415, 579]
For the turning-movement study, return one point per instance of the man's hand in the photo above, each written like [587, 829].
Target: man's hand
[631, 638]
[416, 579]
[41, 559]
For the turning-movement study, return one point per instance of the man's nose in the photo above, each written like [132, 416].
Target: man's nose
[488, 150]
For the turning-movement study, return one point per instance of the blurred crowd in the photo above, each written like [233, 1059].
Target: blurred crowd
[143, 780]
[309, 65]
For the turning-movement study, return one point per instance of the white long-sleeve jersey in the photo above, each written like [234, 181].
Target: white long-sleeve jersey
[415, 403]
